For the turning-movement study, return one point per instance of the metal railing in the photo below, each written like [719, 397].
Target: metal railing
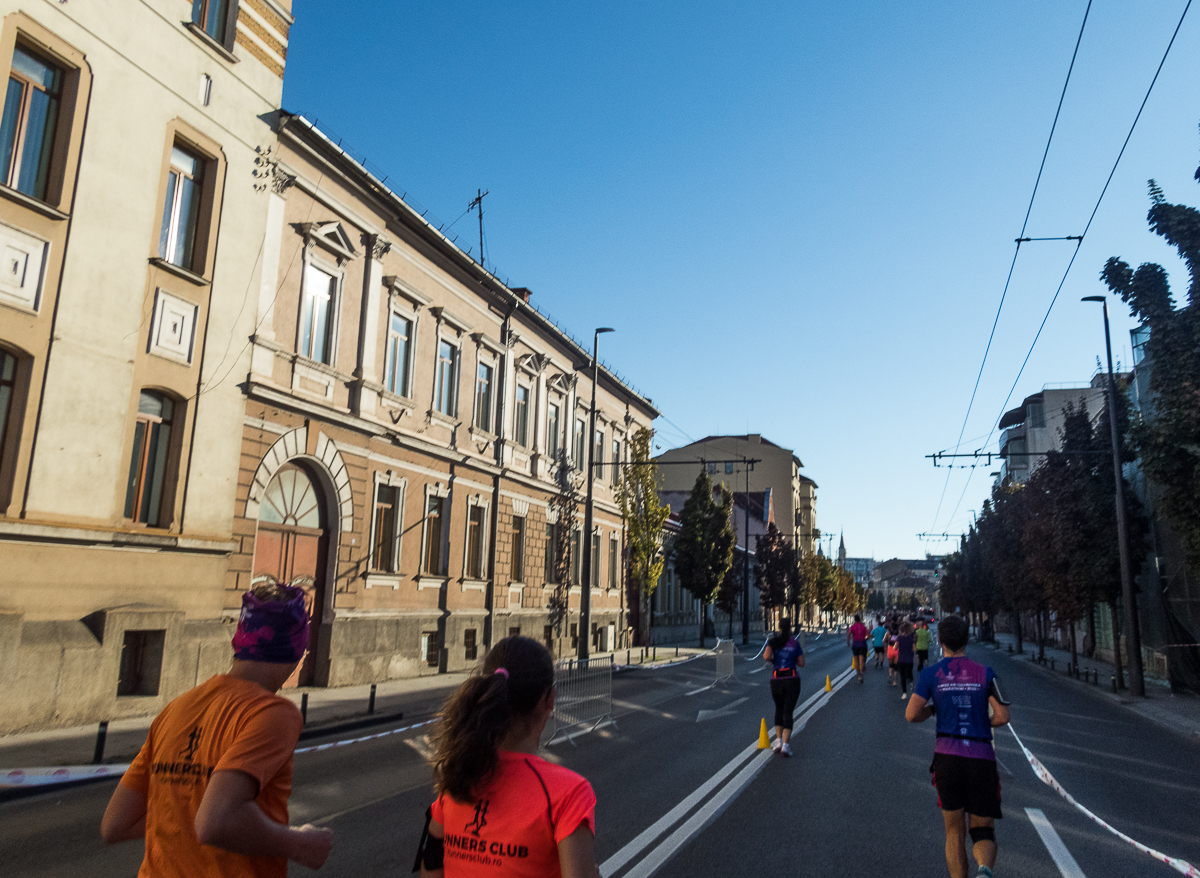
[583, 702]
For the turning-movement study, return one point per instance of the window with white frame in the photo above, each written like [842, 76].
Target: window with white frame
[445, 378]
[518, 548]
[396, 357]
[553, 429]
[616, 459]
[317, 315]
[598, 451]
[580, 439]
[152, 447]
[385, 527]
[485, 376]
[476, 522]
[521, 417]
[181, 208]
[435, 516]
[614, 562]
[595, 582]
[31, 108]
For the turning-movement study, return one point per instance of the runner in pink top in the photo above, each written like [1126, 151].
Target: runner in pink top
[856, 639]
[501, 810]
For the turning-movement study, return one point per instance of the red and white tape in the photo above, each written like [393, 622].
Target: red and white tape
[1047, 778]
[38, 777]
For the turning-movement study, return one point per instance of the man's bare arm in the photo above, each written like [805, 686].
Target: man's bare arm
[230, 819]
[125, 817]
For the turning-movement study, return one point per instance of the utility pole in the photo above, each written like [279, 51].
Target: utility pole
[477, 204]
[746, 560]
[1133, 636]
[585, 575]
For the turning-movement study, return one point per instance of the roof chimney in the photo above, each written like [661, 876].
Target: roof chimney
[523, 292]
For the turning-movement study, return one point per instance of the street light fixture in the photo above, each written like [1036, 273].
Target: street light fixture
[585, 590]
[1133, 637]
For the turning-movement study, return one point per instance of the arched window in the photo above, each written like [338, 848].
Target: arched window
[150, 458]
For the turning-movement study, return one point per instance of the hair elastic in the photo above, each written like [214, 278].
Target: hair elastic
[503, 671]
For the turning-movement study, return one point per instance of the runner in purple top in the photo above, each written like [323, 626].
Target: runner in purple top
[966, 699]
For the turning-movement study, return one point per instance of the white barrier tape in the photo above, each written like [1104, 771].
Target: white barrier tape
[35, 777]
[670, 664]
[1047, 778]
[319, 747]
[38, 777]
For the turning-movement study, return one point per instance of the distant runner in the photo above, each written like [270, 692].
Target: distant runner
[964, 761]
[904, 656]
[856, 639]
[877, 636]
[922, 644]
[785, 654]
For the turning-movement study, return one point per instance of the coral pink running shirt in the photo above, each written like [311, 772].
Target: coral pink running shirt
[526, 809]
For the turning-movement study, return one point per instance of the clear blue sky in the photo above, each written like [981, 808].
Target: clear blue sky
[799, 217]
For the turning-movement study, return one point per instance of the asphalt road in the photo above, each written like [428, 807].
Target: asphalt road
[683, 792]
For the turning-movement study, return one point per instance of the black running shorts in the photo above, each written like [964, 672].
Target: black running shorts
[967, 784]
[879, 650]
[859, 650]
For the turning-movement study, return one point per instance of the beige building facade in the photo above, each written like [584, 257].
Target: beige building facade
[409, 426]
[793, 496]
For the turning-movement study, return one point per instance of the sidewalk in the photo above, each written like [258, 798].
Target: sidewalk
[1178, 711]
[329, 711]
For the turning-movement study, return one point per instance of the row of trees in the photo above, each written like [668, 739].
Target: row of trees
[789, 583]
[1048, 548]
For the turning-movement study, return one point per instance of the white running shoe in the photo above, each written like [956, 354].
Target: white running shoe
[776, 745]
[785, 750]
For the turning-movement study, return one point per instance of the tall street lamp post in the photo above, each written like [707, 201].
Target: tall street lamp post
[1133, 637]
[585, 591]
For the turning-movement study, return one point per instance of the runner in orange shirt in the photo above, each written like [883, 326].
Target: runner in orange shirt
[209, 789]
[501, 810]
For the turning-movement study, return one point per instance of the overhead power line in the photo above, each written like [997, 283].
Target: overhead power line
[1017, 251]
[1078, 240]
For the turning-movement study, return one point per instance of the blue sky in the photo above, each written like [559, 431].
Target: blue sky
[799, 217]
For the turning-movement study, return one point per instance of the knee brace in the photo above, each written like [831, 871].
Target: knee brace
[982, 833]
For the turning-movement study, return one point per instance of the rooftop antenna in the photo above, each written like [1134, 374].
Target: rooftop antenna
[477, 203]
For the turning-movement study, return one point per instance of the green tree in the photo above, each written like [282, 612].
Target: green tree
[773, 565]
[1168, 443]
[644, 515]
[704, 547]
[564, 508]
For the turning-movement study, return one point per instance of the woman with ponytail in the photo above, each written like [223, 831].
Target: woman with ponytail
[785, 654]
[501, 810]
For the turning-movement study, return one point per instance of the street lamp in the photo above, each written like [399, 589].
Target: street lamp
[585, 596]
[1132, 634]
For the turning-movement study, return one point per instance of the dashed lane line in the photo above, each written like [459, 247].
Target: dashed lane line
[1058, 851]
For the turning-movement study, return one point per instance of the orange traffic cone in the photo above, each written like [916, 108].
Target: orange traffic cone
[764, 742]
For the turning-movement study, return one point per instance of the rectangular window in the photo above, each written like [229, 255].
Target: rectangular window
[445, 378]
[483, 397]
[430, 648]
[30, 118]
[614, 565]
[712, 469]
[395, 367]
[576, 558]
[141, 662]
[598, 451]
[316, 317]
[553, 429]
[475, 543]
[148, 463]
[521, 417]
[728, 468]
[212, 17]
[518, 548]
[548, 636]
[387, 509]
[181, 208]
[616, 459]
[434, 508]
[8, 387]
[595, 583]
[1037, 414]
[551, 552]
[574, 635]
[470, 651]
[514, 632]
[580, 439]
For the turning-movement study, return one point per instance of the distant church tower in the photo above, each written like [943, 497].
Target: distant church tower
[842, 552]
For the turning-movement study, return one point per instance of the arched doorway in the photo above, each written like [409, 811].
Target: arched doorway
[293, 543]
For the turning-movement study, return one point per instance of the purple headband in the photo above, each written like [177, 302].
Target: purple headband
[272, 631]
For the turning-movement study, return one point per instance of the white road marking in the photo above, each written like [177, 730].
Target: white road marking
[1058, 851]
[423, 745]
[727, 710]
[685, 832]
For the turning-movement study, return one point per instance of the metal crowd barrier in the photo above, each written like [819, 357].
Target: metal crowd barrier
[583, 701]
[724, 656]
